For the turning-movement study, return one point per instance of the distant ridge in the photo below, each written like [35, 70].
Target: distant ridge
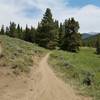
[87, 35]
[92, 37]
[91, 40]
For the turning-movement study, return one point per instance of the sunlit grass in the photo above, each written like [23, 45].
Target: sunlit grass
[17, 54]
[76, 67]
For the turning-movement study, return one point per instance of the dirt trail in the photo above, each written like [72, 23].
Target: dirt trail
[52, 88]
[42, 84]
[0, 48]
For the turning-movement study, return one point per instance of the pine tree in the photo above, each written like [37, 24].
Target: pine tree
[61, 34]
[33, 34]
[57, 31]
[47, 36]
[2, 30]
[7, 31]
[12, 30]
[98, 45]
[71, 39]
[26, 34]
[19, 32]
[56, 24]
[30, 34]
[18, 29]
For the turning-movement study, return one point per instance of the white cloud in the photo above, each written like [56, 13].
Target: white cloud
[12, 10]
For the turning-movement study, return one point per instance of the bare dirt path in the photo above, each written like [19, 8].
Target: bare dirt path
[42, 84]
[50, 87]
[0, 48]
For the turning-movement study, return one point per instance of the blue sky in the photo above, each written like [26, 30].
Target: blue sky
[30, 12]
[81, 3]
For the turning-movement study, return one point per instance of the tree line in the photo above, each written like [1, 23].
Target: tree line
[49, 33]
[93, 41]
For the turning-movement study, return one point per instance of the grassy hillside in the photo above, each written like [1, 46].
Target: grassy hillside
[17, 54]
[76, 68]
[91, 41]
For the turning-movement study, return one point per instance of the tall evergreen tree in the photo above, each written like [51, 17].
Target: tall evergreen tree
[30, 34]
[98, 45]
[2, 30]
[57, 31]
[12, 29]
[18, 28]
[56, 24]
[46, 36]
[61, 34]
[19, 32]
[33, 32]
[7, 31]
[71, 39]
[26, 34]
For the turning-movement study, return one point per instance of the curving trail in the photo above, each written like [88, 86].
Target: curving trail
[42, 84]
[0, 49]
[52, 88]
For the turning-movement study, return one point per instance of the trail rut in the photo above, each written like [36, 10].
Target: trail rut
[50, 87]
[42, 84]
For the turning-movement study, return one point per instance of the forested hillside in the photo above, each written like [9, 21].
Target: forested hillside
[91, 41]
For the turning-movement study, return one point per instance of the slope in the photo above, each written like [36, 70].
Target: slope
[91, 41]
[17, 54]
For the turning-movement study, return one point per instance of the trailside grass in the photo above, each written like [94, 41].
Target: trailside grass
[79, 68]
[17, 54]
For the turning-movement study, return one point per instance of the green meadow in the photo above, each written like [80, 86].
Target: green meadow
[77, 68]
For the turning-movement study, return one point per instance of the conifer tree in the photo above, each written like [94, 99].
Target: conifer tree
[46, 36]
[26, 33]
[29, 34]
[71, 39]
[19, 32]
[7, 31]
[98, 45]
[57, 31]
[18, 29]
[33, 34]
[61, 34]
[56, 24]
[2, 30]
[12, 29]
